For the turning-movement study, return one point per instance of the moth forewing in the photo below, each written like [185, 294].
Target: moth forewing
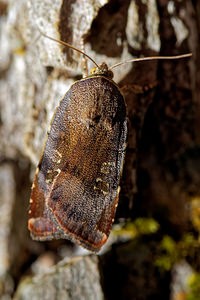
[81, 165]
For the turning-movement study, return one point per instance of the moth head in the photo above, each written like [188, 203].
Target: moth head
[102, 69]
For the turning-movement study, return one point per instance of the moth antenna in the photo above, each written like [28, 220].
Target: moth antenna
[150, 58]
[68, 45]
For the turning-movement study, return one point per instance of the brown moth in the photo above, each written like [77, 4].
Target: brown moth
[76, 186]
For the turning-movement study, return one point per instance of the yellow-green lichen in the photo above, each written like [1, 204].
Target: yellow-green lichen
[141, 226]
[194, 287]
[169, 254]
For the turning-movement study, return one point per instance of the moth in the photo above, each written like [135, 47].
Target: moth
[76, 185]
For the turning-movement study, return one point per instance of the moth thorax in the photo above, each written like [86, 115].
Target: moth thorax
[102, 70]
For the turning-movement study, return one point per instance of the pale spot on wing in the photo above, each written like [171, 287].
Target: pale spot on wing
[99, 179]
[58, 171]
[102, 186]
[104, 192]
[107, 167]
[48, 180]
[59, 154]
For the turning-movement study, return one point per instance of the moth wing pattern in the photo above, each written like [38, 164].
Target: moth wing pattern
[75, 190]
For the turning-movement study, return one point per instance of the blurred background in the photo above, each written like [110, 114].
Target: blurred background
[153, 250]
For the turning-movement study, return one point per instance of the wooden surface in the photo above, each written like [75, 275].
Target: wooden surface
[160, 180]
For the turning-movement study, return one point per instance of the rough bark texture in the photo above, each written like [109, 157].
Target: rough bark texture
[60, 282]
[156, 247]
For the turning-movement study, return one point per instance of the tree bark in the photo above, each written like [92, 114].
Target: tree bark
[160, 182]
